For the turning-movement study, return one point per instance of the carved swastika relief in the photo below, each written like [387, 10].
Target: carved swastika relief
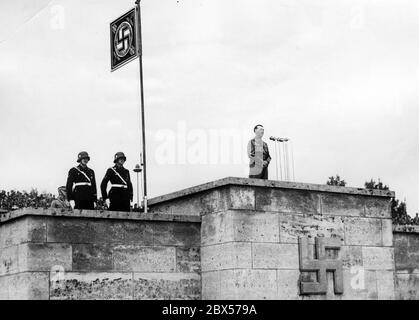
[321, 264]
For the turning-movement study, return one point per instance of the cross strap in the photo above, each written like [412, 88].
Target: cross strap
[119, 176]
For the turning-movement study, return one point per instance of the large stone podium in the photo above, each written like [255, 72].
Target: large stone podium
[234, 238]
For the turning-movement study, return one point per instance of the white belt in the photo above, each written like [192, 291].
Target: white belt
[81, 184]
[119, 186]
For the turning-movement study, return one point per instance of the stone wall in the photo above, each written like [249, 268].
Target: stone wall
[250, 232]
[406, 246]
[233, 238]
[49, 254]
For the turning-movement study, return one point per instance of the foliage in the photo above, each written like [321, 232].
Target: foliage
[336, 181]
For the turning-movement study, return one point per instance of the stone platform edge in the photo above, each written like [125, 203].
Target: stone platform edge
[408, 228]
[96, 214]
[269, 184]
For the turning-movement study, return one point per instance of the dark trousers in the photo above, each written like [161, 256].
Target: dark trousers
[262, 175]
[84, 204]
[120, 200]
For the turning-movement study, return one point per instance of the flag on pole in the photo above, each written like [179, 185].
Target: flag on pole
[124, 46]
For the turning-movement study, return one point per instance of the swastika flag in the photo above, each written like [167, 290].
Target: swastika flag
[124, 47]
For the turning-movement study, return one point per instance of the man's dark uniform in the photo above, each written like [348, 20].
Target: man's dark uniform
[121, 192]
[266, 157]
[81, 187]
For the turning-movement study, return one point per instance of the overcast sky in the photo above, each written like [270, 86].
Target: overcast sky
[340, 78]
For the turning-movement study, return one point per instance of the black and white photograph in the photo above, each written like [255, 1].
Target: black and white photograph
[210, 152]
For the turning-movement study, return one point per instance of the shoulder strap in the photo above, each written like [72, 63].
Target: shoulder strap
[83, 173]
[119, 176]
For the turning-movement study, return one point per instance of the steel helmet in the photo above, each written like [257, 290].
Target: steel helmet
[83, 155]
[118, 156]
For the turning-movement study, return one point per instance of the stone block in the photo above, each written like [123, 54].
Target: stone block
[363, 231]
[22, 230]
[92, 257]
[144, 259]
[226, 256]
[188, 259]
[293, 226]
[241, 197]
[45, 256]
[385, 285]
[92, 286]
[10, 260]
[84, 231]
[351, 257]
[275, 256]
[407, 286]
[342, 204]
[359, 284]
[135, 232]
[288, 284]
[406, 252]
[287, 201]
[387, 232]
[378, 258]
[377, 207]
[167, 286]
[176, 234]
[25, 286]
[217, 228]
[244, 284]
[255, 226]
[211, 285]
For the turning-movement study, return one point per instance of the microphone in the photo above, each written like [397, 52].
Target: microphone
[272, 138]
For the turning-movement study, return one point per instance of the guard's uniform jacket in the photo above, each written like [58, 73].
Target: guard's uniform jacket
[257, 156]
[81, 187]
[121, 191]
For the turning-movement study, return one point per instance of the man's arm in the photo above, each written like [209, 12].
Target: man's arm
[104, 184]
[130, 189]
[94, 187]
[69, 185]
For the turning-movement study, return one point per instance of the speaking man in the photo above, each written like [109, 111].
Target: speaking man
[258, 153]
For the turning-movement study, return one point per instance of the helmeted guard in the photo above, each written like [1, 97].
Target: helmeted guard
[121, 192]
[81, 184]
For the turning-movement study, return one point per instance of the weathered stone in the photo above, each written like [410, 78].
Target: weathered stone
[385, 285]
[217, 228]
[165, 286]
[10, 260]
[92, 257]
[188, 259]
[378, 258]
[25, 286]
[144, 259]
[92, 286]
[377, 207]
[242, 284]
[363, 231]
[241, 197]
[342, 204]
[176, 234]
[351, 256]
[359, 284]
[293, 226]
[211, 285]
[287, 201]
[288, 284]
[26, 229]
[406, 286]
[275, 256]
[387, 232]
[406, 252]
[45, 256]
[136, 232]
[255, 226]
[226, 256]
[84, 231]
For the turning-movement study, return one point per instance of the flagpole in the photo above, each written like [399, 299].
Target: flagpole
[140, 56]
